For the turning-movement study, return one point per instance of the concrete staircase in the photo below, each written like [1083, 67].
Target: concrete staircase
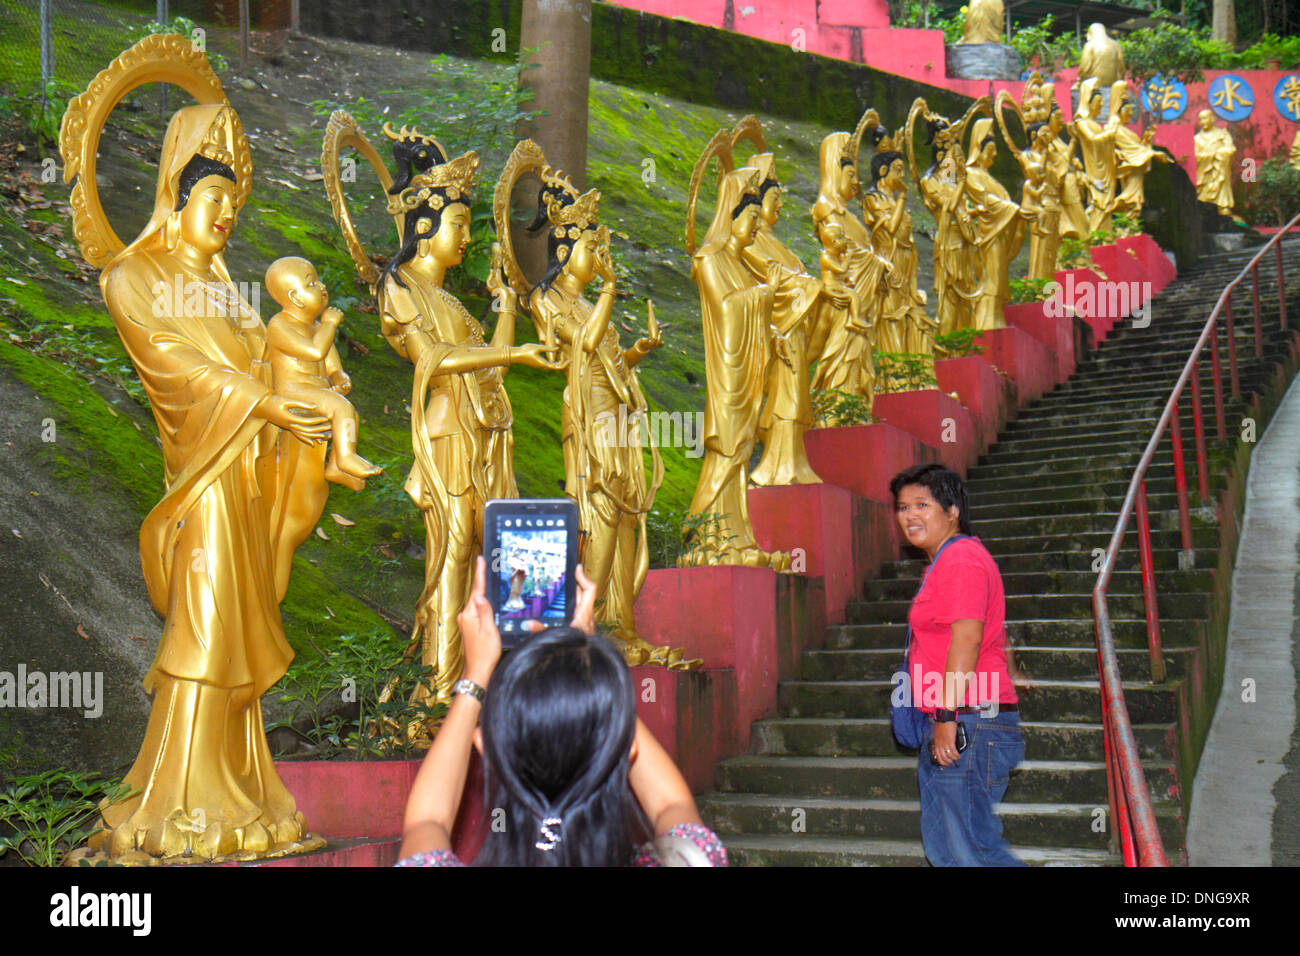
[826, 784]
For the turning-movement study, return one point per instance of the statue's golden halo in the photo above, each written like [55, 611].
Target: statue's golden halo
[723, 147]
[160, 58]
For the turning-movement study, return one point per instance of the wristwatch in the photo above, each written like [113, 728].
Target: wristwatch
[942, 716]
[467, 686]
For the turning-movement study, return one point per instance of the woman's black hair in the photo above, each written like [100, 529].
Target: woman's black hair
[749, 199]
[198, 168]
[412, 238]
[945, 486]
[558, 726]
[881, 163]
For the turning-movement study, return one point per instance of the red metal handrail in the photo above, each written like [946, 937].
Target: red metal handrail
[1133, 820]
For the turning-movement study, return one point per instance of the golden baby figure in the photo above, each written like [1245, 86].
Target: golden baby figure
[300, 338]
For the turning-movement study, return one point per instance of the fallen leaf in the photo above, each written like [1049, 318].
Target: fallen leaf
[82, 631]
[342, 520]
[17, 533]
[111, 412]
[320, 533]
[138, 640]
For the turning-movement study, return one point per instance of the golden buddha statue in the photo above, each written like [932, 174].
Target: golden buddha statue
[1133, 154]
[1295, 150]
[884, 208]
[460, 413]
[1097, 145]
[1041, 192]
[1000, 227]
[737, 320]
[942, 187]
[846, 362]
[604, 407]
[1214, 151]
[1064, 174]
[244, 472]
[985, 21]
[1102, 59]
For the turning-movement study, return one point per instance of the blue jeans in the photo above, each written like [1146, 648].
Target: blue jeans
[958, 825]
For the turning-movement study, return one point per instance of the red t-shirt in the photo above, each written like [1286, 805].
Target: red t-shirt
[964, 584]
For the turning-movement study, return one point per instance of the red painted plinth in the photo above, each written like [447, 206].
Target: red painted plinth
[726, 615]
[937, 419]
[1092, 299]
[990, 395]
[693, 714]
[862, 458]
[1026, 361]
[1058, 332]
[815, 524]
[330, 793]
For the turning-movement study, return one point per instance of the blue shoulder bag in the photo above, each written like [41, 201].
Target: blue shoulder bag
[906, 720]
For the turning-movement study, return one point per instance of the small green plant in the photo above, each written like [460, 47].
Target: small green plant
[698, 528]
[958, 343]
[1274, 198]
[355, 697]
[1126, 224]
[1039, 45]
[833, 408]
[664, 536]
[181, 26]
[52, 813]
[1027, 290]
[39, 111]
[1168, 49]
[904, 372]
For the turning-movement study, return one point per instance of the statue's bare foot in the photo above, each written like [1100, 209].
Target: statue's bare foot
[340, 477]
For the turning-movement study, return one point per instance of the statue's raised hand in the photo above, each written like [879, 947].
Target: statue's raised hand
[504, 298]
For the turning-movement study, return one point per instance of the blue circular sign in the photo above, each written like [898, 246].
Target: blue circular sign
[1286, 96]
[1164, 97]
[1231, 97]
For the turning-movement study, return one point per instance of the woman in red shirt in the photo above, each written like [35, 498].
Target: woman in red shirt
[958, 674]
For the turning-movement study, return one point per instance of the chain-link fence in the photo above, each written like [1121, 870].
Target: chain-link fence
[51, 49]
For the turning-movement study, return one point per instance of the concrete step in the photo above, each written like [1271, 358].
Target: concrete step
[1056, 700]
[1034, 662]
[1037, 606]
[1034, 781]
[871, 737]
[1051, 632]
[803, 850]
[1065, 825]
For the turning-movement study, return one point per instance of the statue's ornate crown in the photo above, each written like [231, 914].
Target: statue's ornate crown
[568, 211]
[409, 134]
[216, 141]
[448, 182]
[890, 143]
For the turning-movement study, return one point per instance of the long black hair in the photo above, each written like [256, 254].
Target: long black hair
[413, 156]
[412, 236]
[558, 725]
[945, 486]
[939, 151]
[554, 264]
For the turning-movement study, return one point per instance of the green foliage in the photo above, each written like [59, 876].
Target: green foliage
[664, 536]
[480, 112]
[1073, 254]
[40, 114]
[1168, 49]
[88, 350]
[833, 408]
[371, 671]
[953, 27]
[958, 343]
[698, 528]
[1274, 198]
[181, 26]
[1126, 224]
[1036, 44]
[52, 813]
[1028, 290]
[904, 372]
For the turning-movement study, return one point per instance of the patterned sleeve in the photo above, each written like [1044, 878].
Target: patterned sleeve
[432, 858]
[688, 844]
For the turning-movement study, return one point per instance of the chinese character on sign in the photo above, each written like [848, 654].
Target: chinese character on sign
[1231, 98]
[1286, 95]
[1165, 97]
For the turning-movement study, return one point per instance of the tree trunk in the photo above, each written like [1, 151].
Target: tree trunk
[1225, 22]
[559, 33]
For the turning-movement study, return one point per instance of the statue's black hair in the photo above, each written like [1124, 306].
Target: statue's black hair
[199, 168]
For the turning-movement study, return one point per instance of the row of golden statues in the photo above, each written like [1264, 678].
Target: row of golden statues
[244, 408]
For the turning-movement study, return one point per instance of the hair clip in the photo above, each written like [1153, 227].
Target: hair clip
[550, 839]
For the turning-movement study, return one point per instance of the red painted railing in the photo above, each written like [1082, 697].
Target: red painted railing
[1134, 826]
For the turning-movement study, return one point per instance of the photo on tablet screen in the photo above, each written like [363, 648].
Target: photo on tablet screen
[530, 574]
